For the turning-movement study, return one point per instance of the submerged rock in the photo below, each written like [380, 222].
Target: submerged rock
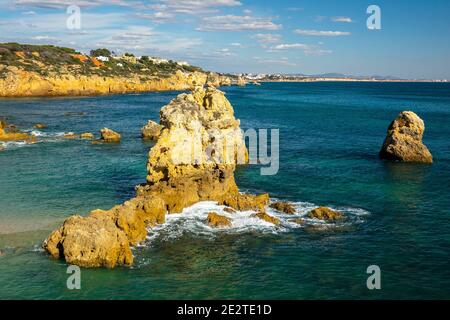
[325, 214]
[151, 131]
[217, 221]
[404, 140]
[71, 135]
[268, 218]
[87, 136]
[108, 135]
[285, 207]
[9, 133]
[40, 126]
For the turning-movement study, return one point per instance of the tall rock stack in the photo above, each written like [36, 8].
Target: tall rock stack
[193, 160]
[404, 140]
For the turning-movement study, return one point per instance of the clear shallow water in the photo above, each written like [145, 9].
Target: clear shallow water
[330, 134]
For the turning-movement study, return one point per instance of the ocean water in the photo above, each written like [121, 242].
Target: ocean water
[398, 215]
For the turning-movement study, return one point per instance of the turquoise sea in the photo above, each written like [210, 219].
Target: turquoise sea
[330, 135]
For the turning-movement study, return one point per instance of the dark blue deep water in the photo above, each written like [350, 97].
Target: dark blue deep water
[330, 135]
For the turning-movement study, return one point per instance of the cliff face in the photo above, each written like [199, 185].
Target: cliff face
[193, 160]
[21, 83]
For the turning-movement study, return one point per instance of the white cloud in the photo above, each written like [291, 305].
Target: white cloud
[236, 44]
[237, 23]
[309, 50]
[265, 38]
[342, 19]
[282, 61]
[317, 33]
[157, 17]
[192, 7]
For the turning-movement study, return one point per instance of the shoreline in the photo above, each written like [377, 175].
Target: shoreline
[352, 80]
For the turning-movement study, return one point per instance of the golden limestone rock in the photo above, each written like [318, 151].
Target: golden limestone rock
[285, 207]
[197, 151]
[215, 220]
[8, 134]
[87, 136]
[20, 83]
[268, 218]
[103, 238]
[404, 140]
[40, 126]
[151, 131]
[325, 214]
[108, 135]
[193, 160]
[94, 241]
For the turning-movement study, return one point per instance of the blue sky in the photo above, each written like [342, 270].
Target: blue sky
[286, 36]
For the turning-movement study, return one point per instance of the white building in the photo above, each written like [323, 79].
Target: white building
[102, 58]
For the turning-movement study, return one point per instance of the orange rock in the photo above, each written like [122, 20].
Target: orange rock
[326, 214]
[217, 221]
[264, 216]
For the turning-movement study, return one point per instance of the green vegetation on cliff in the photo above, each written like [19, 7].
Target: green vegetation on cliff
[49, 60]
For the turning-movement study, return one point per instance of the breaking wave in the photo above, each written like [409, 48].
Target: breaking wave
[193, 221]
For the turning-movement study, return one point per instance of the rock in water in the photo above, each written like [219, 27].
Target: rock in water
[8, 134]
[217, 221]
[283, 207]
[197, 151]
[109, 136]
[324, 213]
[404, 140]
[268, 218]
[193, 160]
[151, 131]
[40, 126]
[87, 136]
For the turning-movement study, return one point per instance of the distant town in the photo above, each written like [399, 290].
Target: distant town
[327, 77]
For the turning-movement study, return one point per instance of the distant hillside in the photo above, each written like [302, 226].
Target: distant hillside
[45, 70]
[49, 60]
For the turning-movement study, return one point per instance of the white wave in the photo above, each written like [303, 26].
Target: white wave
[193, 221]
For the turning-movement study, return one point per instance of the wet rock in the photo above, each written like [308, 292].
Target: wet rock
[229, 210]
[404, 140]
[325, 214]
[40, 126]
[268, 218]
[7, 133]
[108, 135]
[71, 136]
[151, 131]
[215, 220]
[87, 136]
[245, 202]
[94, 241]
[283, 207]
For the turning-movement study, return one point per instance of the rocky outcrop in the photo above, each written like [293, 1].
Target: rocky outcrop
[151, 131]
[87, 136]
[326, 214]
[241, 81]
[216, 80]
[197, 151]
[215, 220]
[9, 134]
[268, 218]
[108, 135]
[404, 140]
[40, 126]
[103, 238]
[193, 160]
[283, 207]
